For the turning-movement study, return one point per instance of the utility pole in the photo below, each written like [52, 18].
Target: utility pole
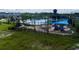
[47, 25]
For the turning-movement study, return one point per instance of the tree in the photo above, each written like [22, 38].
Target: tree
[55, 11]
[13, 19]
[8, 19]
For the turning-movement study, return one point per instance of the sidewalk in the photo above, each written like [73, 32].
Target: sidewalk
[4, 34]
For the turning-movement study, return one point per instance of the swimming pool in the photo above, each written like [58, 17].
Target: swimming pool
[45, 21]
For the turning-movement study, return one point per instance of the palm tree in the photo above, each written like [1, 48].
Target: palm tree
[8, 19]
[33, 17]
[55, 14]
[55, 11]
[47, 25]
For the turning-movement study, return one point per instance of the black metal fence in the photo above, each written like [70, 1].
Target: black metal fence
[38, 25]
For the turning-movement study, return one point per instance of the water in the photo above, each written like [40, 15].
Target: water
[44, 21]
[36, 21]
[65, 22]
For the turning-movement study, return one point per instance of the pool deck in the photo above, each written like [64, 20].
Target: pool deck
[51, 32]
[61, 33]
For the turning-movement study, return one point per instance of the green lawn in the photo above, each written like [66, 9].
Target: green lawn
[4, 27]
[24, 40]
[34, 40]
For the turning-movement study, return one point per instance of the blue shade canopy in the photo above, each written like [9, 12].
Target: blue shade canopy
[64, 22]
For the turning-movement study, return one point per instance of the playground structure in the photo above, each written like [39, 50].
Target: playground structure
[61, 25]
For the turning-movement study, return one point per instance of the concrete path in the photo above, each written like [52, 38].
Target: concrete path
[4, 34]
[38, 28]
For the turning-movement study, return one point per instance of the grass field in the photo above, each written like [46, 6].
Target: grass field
[34, 40]
[4, 27]
[28, 40]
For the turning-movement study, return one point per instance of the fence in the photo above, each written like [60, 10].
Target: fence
[37, 25]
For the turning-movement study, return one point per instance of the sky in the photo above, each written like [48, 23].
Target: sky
[40, 10]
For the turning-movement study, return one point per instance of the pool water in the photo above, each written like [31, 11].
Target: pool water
[45, 21]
